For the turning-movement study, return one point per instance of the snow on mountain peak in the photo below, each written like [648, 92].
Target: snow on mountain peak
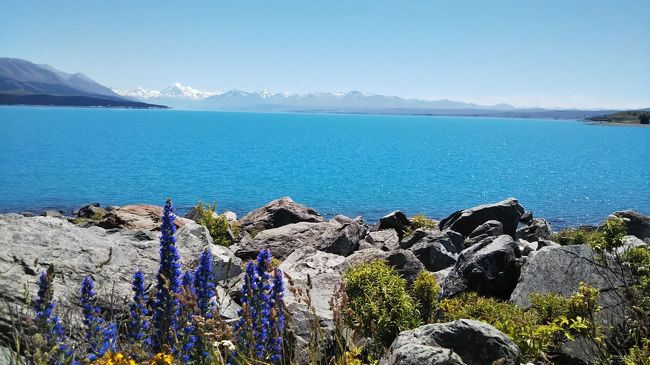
[175, 91]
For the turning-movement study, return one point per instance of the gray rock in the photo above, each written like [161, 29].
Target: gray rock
[561, 269]
[276, 214]
[385, 240]
[435, 252]
[282, 241]
[508, 212]
[490, 228]
[31, 244]
[637, 224]
[230, 216]
[311, 278]
[416, 354]
[137, 217]
[91, 211]
[395, 220]
[490, 268]
[452, 241]
[527, 247]
[341, 235]
[537, 229]
[52, 213]
[474, 342]
[226, 264]
[527, 217]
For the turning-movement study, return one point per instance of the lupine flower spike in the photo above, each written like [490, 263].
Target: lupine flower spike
[168, 286]
[138, 326]
[100, 335]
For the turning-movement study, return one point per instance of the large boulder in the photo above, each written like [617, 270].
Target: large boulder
[490, 268]
[341, 235]
[276, 214]
[637, 224]
[462, 342]
[536, 229]
[395, 220]
[311, 278]
[561, 269]
[31, 244]
[137, 217]
[508, 212]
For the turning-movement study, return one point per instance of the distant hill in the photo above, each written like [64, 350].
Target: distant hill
[26, 83]
[626, 117]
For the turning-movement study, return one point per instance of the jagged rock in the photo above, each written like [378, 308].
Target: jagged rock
[508, 212]
[490, 268]
[230, 216]
[470, 342]
[137, 217]
[276, 214]
[546, 243]
[436, 251]
[637, 224]
[395, 220]
[311, 278]
[526, 247]
[226, 264]
[341, 235]
[527, 217]
[490, 228]
[385, 240]
[441, 275]
[452, 241]
[91, 211]
[537, 229]
[31, 244]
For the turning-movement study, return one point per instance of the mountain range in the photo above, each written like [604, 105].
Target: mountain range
[181, 96]
[26, 83]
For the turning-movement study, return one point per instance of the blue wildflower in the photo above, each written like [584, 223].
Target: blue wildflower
[204, 284]
[138, 326]
[48, 324]
[101, 336]
[165, 313]
[261, 326]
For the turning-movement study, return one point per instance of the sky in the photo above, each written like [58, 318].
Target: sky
[550, 53]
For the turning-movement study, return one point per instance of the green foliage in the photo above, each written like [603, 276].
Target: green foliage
[609, 236]
[575, 236]
[425, 292]
[420, 221]
[378, 304]
[549, 306]
[550, 321]
[639, 354]
[637, 260]
[217, 224]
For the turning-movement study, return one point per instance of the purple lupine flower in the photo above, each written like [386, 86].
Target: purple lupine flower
[166, 305]
[101, 336]
[261, 327]
[48, 324]
[204, 284]
[138, 326]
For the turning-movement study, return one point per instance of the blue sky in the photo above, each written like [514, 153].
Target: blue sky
[547, 53]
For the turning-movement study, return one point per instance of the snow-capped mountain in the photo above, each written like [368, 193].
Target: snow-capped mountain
[175, 91]
[181, 96]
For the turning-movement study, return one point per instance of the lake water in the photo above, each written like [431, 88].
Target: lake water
[566, 171]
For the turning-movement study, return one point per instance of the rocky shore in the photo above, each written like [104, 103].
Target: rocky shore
[499, 250]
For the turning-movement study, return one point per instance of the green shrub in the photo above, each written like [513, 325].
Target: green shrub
[550, 321]
[378, 304]
[575, 236]
[549, 306]
[425, 292]
[637, 260]
[639, 354]
[217, 225]
[420, 221]
[609, 236]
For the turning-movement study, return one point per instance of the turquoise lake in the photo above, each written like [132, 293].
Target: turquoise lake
[567, 171]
